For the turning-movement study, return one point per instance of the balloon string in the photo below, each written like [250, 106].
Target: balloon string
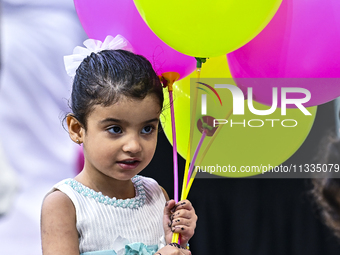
[205, 152]
[174, 147]
[196, 153]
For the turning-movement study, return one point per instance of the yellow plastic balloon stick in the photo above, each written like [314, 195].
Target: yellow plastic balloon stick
[186, 172]
[192, 125]
[175, 236]
[204, 153]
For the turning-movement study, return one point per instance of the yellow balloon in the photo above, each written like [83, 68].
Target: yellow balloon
[202, 28]
[240, 145]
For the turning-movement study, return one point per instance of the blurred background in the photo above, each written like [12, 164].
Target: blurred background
[35, 148]
[236, 216]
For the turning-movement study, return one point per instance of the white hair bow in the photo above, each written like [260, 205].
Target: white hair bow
[73, 61]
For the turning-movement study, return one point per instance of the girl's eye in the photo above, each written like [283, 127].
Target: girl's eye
[115, 130]
[147, 130]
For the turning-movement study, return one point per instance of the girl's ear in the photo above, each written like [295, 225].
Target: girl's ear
[75, 129]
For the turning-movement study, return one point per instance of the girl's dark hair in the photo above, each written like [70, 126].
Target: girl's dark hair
[103, 77]
[326, 190]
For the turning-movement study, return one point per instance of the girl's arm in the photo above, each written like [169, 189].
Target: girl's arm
[59, 235]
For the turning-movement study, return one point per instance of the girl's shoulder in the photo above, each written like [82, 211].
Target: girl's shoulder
[153, 186]
[63, 187]
[146, 180]
[55, 198]
[58, 231]
[58, 200]
[149, 183]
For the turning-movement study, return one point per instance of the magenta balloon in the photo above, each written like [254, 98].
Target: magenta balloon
[301, 41]
[112, 17]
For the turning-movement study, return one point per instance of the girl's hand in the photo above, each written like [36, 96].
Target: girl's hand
[179, 218]
[173, 249]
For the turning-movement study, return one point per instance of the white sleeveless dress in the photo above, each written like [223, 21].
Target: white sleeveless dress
[110, 226]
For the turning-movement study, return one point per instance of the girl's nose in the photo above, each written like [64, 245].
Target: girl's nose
[132, 145]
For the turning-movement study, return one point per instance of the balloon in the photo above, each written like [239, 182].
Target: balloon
[107, 17]
[300, 46]
[239, 145]
[202, 28]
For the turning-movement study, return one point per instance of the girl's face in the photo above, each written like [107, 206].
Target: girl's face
[121, 139]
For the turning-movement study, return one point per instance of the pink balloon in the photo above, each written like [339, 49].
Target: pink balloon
[301, 41]
[112, 17]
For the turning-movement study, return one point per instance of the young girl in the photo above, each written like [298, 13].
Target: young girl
[108, 208]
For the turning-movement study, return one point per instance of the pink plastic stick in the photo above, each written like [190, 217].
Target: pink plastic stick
[174, 147]
[195, 155]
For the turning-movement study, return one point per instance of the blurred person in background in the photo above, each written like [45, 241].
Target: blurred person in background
[8, 179]
[326, 188]
[35, 35]
[8, 184]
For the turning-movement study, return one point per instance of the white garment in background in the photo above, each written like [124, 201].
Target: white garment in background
[34, 93]
[8, 184]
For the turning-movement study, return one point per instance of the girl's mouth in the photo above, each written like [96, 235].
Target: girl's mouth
[128, 164]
